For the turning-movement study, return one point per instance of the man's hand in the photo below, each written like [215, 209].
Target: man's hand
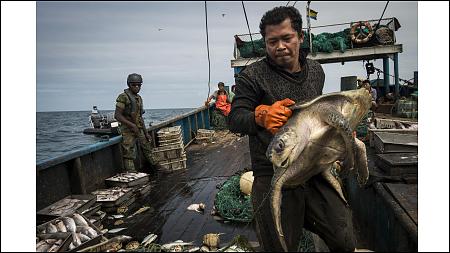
[147, 136]
[274, 116]
[135, 129]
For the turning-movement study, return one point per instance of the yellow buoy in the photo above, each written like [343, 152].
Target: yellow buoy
[246, 182]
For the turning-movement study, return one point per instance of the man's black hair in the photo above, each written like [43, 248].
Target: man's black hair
[220, 83]
[277, 15]
[366, 81]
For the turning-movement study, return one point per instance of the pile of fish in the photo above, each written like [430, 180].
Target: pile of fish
[125, 188]
[110, 194]
[127, 179]
[76, 225]
[210, 244]
[52, 243]
[115, 198]
[119, 243]
[49, 245]
[66, 205]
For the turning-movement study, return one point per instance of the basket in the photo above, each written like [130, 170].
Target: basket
[170, 151]
[173, 164]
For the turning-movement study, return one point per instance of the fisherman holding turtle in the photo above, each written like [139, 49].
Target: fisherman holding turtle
[264, 90]
[129, 110]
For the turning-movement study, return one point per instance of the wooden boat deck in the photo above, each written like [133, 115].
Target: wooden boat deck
[208, 166]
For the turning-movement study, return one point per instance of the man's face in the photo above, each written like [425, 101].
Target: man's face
[221, 87]
[135, 87]
[283, 44]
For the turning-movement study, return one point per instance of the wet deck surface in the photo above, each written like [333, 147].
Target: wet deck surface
[208, 166]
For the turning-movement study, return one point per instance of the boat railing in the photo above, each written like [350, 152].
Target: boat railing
[190, 122]
[246, 36]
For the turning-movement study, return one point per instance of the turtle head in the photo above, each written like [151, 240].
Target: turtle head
[282, 149]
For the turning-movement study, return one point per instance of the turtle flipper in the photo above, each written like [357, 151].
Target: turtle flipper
[361, 162]
[334, 183]
[337, 120]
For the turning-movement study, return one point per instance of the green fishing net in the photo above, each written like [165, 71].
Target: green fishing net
[246, 49]
[231, 203]
[328, 42]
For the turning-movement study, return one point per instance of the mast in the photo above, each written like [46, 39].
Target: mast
[309, 26]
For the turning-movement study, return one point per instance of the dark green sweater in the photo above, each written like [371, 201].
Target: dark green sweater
[264, 82]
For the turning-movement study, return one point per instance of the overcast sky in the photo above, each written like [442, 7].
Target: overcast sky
[85, 50]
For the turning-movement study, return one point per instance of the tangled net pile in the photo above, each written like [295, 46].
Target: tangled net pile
[231, 203]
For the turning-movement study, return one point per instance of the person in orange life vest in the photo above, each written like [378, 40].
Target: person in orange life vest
[222, 99]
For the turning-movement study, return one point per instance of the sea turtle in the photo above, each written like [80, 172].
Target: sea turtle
[318, 134]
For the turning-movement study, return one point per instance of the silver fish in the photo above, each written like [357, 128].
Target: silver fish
[76, 239]
[83, 237]
[43, 247]
[168, 246]
[79, 220]
[148, 239]
[51, 228]
[55, 246]
[91, 232]
[112, 231]
[60, 226]
[70, 224]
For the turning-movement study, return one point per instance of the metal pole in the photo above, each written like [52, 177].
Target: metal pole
[386, 75]
[397, 85]
[309, 26]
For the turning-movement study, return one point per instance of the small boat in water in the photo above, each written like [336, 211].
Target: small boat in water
[102, 124]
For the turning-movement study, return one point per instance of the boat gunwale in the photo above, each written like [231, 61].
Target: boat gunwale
[45, 164]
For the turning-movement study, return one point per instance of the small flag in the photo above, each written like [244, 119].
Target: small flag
[313, 14]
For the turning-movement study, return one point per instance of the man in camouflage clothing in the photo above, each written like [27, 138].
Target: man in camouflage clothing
[129, 110]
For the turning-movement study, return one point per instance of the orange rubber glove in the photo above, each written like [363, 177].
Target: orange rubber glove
[274, 116]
